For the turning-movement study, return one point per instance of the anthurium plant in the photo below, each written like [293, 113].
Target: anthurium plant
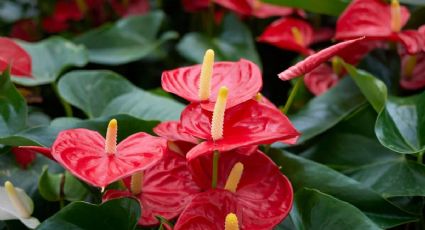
[212, 114]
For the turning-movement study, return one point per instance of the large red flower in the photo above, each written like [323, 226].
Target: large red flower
[289, 33]
[377, 20]
[314, 60]
[262, 198]
[166, 189]
[83, 153]
[11, 54]
[242, 78]
[255, 8]
[249, 123]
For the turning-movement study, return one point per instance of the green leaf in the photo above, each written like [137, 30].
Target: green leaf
[372, 88]
[50, 57]
[400, 126]
[114, 214]
[13, 108]
[49, 185]
[234, 42]
[129, 39]
[326, 110]
[328, 7]
[103, 93]
[413, 2]
[306, 173]
[396, 177]
[46, 135]
[316, 210]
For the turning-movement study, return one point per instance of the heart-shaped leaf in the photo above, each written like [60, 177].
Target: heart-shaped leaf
[49, 58]
[400, 126]
[233, 43]
[305, 173]
[129, 39]
[372, 88]
[316, 210]
[114, 214]
[103, 93]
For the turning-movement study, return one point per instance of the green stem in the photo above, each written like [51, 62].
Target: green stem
[67, 107]
[421, 157]
[216, 156]
[292, 95]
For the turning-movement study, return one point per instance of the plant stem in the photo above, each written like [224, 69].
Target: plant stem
[292, 95]
[420, 157]
[216, 156]
[67, 107]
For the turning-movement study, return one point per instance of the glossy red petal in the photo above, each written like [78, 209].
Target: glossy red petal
[167, 189]
[249, 123]
[47, 152]
[413, 41]
[263, 197]
[242, 7]
[171, 130]
[321, 79]
[314, 60]
[280, 34]
[354, 54]
[370, 18]
[81, 151]
[11, 54]
[242, 78]
[417, 79]
[323, 34]
[264, 10]
[23, 157]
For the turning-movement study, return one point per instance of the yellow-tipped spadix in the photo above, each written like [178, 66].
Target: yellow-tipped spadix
[234, 177]
[111, 137]
[136, 183]
[16, 201]
[298, 37]
[231, 222]
[395, 16]
[206, 74]
[218, 114]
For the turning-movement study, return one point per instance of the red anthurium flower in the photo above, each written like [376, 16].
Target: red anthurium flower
[320, 79]
[64, 12]
[164, 189]
[99, 162]
[47, 152]
[25, 29]
[255, 8]
[249, 123]
[250, 186]
[377, 20]
[289, 33]
[194, 6]
[178, 140]
[11, 54]
[201, 83]
[314, 60]
[23, 157]
[413, 71]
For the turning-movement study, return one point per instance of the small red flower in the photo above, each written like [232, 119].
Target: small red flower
[314, 60]
[257, 192]
[64, 12]
[164, 189]
[255, 8]
[11, 54]
[194, 6]
[99, 162]
[377, 21]
[23, 157]
[289, 33]
[249, 123]
[242, 78]
[25, 29]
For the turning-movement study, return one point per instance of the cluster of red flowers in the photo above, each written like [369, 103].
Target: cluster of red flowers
[375, 20]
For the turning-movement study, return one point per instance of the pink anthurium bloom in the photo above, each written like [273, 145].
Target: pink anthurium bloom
[200, 83]
[250, 186]
[377, 20]
[164, 189]
[314, 60]
[255, 8]
[99, 162]
[11, 54]
[249, 123]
